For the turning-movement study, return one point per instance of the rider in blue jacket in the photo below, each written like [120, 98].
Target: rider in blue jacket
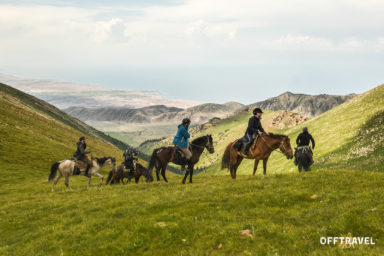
[181, 138]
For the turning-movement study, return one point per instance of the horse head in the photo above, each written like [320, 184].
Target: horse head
[209, 144]
[285, 147]
[111, 161]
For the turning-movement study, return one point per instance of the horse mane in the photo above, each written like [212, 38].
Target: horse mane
[277, 136]
[199, 140]
[101, 161]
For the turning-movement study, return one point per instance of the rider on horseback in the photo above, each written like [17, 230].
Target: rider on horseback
[130, 155]
[303, 141]
[254, 129]
[181, 139]
[80, 155]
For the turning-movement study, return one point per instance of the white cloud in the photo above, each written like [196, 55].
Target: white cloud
[191, 33]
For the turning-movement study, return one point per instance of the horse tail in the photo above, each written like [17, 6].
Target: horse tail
[226, 157]
[152, 162]
[109, 177]
[54, 168]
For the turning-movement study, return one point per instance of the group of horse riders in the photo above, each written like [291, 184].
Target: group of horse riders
[130, 157]
[181, 142]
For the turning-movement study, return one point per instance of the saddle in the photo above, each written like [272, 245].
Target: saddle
[304, 149]
[179, 157]
[241, 144]
[127, 169]
[80, 164]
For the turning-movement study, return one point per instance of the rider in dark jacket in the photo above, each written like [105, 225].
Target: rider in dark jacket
[254, 128]
[304, 138]
[130, 154]
[80, 153]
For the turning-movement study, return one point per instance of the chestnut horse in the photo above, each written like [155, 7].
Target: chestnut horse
[162, 156]
[260, 150]
[115, 176]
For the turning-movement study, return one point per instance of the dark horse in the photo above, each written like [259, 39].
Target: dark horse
[164, 155]
[260, 150]
[303, 158]
[115, 177]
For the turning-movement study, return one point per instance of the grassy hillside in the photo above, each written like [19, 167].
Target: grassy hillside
[33, 135]
[347, 137]
[204, 218]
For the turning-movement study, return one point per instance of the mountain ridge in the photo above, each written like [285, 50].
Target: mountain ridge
[304, 104]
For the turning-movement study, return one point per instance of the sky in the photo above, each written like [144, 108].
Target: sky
[202, 50]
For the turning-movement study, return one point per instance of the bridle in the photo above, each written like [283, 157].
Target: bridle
[280, 145]
[206, 146]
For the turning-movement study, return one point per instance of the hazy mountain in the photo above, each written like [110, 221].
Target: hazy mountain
[308, 105]
[64, 95]
[156, 114]
[139, 115]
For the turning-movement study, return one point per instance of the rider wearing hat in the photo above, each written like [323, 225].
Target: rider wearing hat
[254, 128]
[181, 138]
[80, 154]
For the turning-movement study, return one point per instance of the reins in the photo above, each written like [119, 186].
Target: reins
[277, 149]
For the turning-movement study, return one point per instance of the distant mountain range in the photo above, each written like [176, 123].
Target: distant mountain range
[64, 95]
[307, 105]
[157, 114]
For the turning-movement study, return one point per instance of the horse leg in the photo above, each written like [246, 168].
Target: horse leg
[265, 166]
[185, 176]
[163, 174]
[255, 167]
[56, 180]
[191, 173]
[235, 166]
[89, 181]
[67, 181]
[157, 173]
[137, 179]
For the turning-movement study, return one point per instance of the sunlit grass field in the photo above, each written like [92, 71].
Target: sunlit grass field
[283, 213]
[203, 218]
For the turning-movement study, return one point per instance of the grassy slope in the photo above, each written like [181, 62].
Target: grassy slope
[32, 138]
[121, 220]
[347, 137]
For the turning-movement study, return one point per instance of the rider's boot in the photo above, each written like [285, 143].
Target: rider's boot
[247, 148]
[76, 171]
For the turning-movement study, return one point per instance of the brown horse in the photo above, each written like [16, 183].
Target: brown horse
[260, 150]
[115, 177]
[162, 156]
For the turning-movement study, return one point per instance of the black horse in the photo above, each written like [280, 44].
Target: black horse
[162, 156]
[304, 158]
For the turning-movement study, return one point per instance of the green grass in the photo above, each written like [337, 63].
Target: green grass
[121, 220]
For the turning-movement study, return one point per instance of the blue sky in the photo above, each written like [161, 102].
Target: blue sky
[209, 51]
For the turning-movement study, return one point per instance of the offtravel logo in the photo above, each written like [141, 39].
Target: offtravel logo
[347, 241]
